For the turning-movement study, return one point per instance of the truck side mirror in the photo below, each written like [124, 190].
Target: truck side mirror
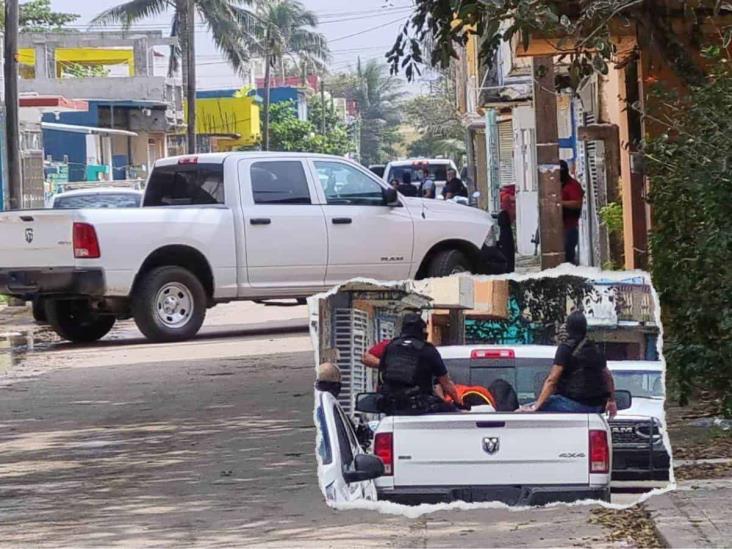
[365, 467]
[623, 399]
[391, 197]
[369, 403]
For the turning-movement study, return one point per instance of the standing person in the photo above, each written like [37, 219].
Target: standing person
[454, 186]
[427, 189]
[405, 187]
[572, 195]
[408, 367]
[579, 380]
[394, 184]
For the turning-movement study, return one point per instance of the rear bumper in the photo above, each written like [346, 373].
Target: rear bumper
[511, 495]
[640, 464]
[30, 283]
[492, 261]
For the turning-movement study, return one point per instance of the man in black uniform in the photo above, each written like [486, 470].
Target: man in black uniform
[405, 187]
[408, 368]
[579, 380]
[454, 186]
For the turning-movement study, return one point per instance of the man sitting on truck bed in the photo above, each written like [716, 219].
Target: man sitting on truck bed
[408, 367]
[579, 380]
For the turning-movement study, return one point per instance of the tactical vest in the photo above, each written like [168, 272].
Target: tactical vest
[401, 363]
[584, 379]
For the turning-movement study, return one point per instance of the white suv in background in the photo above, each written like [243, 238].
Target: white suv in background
[437, 166]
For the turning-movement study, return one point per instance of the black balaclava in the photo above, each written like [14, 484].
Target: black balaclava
[576, 327]
[414, 326]
[563, 172]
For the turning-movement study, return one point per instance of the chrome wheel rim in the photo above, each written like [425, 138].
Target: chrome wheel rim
[174, 305]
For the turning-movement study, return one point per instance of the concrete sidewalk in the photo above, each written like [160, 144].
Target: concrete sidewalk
[696, 514]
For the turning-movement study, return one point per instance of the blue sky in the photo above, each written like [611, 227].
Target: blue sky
[365, 28]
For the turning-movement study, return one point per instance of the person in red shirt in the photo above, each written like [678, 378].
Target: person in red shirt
[372, 358]
[572, 195]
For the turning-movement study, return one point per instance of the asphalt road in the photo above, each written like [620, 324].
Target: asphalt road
[207, 443]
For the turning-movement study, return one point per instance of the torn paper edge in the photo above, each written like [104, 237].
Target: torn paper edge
[566, 269]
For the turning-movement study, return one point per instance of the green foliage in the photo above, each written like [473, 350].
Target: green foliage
[379, 97]
[537, 309]
[612, 216]
[37, 16]
[436, 118]
[582, 30]
[78, 70]
[691, 241]
[288, 133]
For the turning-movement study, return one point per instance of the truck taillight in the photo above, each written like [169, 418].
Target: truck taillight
[384, 450]
[86, 245]
[492, 353]
[599, 452]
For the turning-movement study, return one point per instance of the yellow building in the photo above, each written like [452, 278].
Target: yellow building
[230, 118]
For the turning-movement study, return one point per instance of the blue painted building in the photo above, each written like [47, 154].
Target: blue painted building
[289, 93]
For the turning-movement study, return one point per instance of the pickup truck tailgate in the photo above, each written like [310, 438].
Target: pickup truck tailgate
[491, 449]
[36, 238]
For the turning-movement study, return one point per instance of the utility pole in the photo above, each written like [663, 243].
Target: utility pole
[190, 55]
[547, 155]
[322, 106]
[12, 130]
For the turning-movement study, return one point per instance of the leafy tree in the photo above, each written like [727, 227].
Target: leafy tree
[280, 29]
[437, 119]
[379, 97]
[37, 16]
[691, 239]
[582, 29]
[290, 134]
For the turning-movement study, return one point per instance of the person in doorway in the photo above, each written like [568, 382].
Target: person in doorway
[454, 186]
[405, 187]
[579, 380]
[408, 367]
[572, 195]
[427, 188]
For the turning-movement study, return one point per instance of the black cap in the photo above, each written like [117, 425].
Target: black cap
[413, 324]
[576, 325]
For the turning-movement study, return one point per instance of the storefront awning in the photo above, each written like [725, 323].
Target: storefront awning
[89, 130]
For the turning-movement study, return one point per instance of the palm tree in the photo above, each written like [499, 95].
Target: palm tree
[224, 19]
[280, 29]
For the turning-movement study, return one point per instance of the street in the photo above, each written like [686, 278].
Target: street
[209, 442]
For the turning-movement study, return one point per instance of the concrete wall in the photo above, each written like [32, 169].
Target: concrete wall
[147, 88]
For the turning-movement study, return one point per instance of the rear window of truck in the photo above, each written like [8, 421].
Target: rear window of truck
[185, 185]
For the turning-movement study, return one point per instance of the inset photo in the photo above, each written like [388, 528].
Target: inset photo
[464, 389]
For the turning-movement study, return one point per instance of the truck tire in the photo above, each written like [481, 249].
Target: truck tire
[39, 311]
[448, 262]
[169, 304]
[75, 321]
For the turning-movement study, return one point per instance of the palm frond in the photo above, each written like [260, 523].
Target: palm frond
[129, 12]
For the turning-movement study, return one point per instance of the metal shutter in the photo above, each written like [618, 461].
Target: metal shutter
[505, 153]
[351, 341]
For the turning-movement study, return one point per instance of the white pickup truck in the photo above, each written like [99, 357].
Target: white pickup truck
[231, 226]
[516, 458]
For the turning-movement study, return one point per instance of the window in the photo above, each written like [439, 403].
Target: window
[326, 456]
[438, 172]
[344, 184]
[344, 443]
[186, 185]
[99, 200]
[281, 182]
[640, 384]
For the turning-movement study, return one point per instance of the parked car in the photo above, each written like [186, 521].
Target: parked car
[231, 226]
[437, 166]
[516, 458]
[102, 197]
[639, 453]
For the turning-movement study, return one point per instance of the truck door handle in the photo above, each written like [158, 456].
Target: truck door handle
[342, 220]
[490, 424]
[260, 221]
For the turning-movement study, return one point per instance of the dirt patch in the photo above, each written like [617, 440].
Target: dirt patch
[633, 525]
[701, 471]
[693, 442]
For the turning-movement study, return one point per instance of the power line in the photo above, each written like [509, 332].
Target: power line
[364, 31]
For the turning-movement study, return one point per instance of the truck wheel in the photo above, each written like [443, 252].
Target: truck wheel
[39, 311]
[169, 304]
[74, 320]
[448, 262]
